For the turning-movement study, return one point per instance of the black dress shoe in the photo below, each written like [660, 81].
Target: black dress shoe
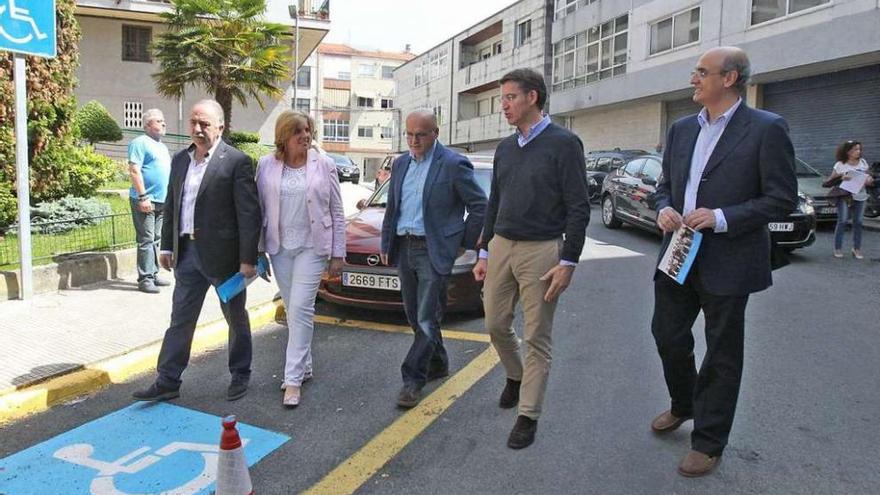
[437, 373]
[236, 390]
[156, 393]
[523, 433]
[510, 394]
[409, 397]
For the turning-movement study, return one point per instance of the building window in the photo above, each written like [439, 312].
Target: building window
[387, 72]
[132, 114]
[597, 53]
[303, 105]
[431, 67]
[675, 31]
[496, 48]
[136, 43]
[766, 10]
[438, 113]
[523, 32]
[365, 102]
[387, 103]
[565, 7]
[304, 77]
[345, 76]
[336, 131]
[496, 104]
[484, 107]
[387, 132]
[365, 132]
[337, 98]
[366, 70]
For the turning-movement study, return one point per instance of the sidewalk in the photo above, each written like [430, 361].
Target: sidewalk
[103, 333]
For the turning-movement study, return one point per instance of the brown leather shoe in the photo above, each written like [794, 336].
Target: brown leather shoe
[667, 422]
[696, 464]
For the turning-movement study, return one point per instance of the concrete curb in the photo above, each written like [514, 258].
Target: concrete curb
[18, 403]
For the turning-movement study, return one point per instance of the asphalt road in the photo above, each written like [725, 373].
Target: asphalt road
[806, 421]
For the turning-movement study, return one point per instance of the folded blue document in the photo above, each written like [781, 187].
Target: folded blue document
[237, 283]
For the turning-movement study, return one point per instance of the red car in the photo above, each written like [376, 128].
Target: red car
[367, 283]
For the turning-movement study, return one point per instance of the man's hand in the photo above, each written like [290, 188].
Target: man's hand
[336, 267]
[701, 218]
[165, 261]
[668, 219]
[383, 258]
[145, 206]
[247, 270]
[480, 269]
[559, 277]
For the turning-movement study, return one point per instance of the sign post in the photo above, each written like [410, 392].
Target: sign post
[27, 27]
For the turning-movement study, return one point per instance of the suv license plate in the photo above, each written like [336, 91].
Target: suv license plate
[828, 210]
[781, 227]
[370, 281]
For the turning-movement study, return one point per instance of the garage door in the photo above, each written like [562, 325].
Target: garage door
[825, 110]
[677, 109]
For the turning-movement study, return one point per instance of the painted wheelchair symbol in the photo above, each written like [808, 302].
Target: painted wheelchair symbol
[103, 484]
[22, 15]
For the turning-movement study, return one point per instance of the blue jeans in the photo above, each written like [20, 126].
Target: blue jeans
[857, 209]
[148, 232]
[424, 295]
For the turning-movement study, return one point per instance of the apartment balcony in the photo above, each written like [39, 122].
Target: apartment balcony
[313, 16]
[483, 128]
[475, 77]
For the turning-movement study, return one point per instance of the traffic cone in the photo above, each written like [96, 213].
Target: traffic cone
[233, 477]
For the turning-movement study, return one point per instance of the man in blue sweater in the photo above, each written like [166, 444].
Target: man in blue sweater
[534, 232]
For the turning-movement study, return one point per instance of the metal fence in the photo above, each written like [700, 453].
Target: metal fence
[100, 233]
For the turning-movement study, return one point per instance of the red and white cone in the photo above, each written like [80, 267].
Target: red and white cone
[233, 477]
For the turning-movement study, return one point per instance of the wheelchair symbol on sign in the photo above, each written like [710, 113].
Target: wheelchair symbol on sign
[23, 15]
[103, 484]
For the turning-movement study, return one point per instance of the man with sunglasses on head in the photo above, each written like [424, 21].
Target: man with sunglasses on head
[535, 229]
[727, 172]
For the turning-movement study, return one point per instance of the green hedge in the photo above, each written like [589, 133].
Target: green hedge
[73, 212]
[95, 123]
[239, 137]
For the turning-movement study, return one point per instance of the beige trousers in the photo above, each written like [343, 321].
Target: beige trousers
[514, 272]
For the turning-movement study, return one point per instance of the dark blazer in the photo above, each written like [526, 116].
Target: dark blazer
[450, 187]
[751, 177]
[227, 217]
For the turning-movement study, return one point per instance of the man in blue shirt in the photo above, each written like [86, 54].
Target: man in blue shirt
[149, 165]
[423, 232]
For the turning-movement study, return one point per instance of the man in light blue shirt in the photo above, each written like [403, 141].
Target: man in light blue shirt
[423, 232]
[149, 166]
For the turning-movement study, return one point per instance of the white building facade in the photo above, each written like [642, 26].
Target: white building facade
[116, 64]
[459, 78]
[621, 68]
[355, 106]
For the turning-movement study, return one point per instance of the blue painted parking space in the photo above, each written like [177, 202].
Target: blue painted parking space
[141, 449]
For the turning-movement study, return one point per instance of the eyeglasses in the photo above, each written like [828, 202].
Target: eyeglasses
[417, 135]
[703, 73]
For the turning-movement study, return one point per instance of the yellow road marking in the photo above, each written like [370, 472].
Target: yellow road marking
[390, 328]
[366, 462]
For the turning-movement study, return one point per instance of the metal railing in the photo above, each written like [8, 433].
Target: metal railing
[314, 9]
[99, 233]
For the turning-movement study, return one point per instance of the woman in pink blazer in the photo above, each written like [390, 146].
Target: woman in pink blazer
[303, 226]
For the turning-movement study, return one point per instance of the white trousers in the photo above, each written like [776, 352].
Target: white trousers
[298, 273]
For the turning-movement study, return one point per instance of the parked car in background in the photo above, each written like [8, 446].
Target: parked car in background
[810, 184]
[601, 163]
[366, 283]
[345, 168]
[629, 196]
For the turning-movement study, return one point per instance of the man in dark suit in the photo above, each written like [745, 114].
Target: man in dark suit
[211, 231]
[726, 172]
[423, 232]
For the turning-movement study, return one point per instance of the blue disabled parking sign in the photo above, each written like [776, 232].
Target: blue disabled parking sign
[142, 449]
[28, 27]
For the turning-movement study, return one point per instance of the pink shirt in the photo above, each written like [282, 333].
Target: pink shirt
[323, 204]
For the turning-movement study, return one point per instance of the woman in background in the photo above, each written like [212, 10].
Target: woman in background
[850, 165]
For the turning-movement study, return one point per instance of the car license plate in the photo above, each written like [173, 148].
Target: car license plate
[370, 281]
[828, 210]
[346, 174]
[781, 226]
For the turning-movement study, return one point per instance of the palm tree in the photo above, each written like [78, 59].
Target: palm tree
[224, 47]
